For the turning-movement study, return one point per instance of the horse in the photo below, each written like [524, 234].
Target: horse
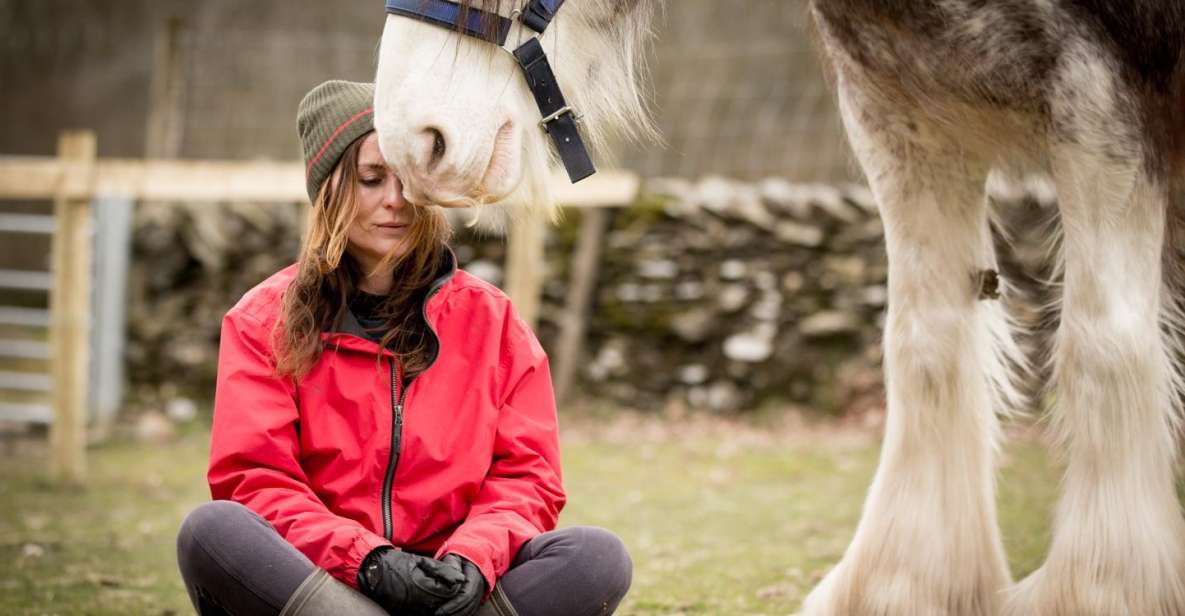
[936, 97]
[458, 124]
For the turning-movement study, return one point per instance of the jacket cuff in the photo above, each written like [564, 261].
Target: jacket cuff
[370, 560]
[475, 556]
[359, 549]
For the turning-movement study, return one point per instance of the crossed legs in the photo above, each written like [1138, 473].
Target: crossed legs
[233, 562]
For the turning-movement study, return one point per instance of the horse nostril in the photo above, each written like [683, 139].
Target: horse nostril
[438, 146]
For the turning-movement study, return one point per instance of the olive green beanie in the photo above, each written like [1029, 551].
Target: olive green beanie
[330, 117]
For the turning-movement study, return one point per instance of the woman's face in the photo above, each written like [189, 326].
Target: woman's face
[383, 215]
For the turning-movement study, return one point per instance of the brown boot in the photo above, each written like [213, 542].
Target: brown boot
[497, 604]
[322, 595]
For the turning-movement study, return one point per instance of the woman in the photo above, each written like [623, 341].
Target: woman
[384, 422]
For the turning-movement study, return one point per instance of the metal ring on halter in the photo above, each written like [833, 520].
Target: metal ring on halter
[513, 17]
[518, 44]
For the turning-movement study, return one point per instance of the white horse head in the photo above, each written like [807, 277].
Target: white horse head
[455, 116]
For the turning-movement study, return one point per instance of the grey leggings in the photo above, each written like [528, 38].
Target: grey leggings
[234, 562]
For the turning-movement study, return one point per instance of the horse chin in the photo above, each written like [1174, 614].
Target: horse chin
[504, 172]
[500, 181]
[434, 195]
[430, 195]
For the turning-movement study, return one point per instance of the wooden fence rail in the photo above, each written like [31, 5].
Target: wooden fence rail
[75, 180]
[47, 177]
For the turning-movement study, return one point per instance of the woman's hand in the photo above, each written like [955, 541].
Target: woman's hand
[405, 583]
[471, 592]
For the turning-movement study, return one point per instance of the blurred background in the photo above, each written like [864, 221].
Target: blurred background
[738, 92]
[758, 225]
[714, 335]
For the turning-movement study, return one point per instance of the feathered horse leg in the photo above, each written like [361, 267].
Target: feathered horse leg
[928, 541]
[1119, 538]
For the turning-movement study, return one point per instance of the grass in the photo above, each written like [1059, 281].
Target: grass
[103, 548]
[720, 518]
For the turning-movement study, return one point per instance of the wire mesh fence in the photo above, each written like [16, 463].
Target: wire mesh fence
[736, 85]
[738, 91]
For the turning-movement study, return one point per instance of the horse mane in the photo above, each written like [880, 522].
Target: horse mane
[624, 103]
[615, 98]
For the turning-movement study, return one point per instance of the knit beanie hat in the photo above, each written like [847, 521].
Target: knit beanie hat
[330, 117]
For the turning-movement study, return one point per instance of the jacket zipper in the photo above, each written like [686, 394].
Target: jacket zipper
[397, 398]
[397, 395]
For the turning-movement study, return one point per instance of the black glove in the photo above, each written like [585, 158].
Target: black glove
[405, 583]
[471, 592]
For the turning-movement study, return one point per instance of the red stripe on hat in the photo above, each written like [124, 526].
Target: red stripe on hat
[336, 132]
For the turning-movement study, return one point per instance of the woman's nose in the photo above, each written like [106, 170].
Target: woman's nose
[393, 192]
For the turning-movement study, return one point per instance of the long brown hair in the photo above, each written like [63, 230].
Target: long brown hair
[328, 277]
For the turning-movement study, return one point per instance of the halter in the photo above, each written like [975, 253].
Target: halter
[559, 120]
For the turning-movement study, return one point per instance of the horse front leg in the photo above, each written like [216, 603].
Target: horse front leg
[927, 541]
[1119, 538]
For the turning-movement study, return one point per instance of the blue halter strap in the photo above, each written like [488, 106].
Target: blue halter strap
[539, 13]
[559, 120]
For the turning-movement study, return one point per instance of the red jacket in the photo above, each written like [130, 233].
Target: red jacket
[468, 454]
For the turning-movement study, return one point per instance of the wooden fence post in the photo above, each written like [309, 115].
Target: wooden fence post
[69, 303]
[166, 104]
[524, 264]
[581, 282]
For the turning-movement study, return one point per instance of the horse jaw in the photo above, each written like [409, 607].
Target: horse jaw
[434, 86]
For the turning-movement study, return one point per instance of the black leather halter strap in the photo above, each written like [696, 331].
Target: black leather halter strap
[559, 120]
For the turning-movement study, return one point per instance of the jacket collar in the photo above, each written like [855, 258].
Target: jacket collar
[349, 333]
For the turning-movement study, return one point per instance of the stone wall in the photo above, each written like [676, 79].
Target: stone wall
[191, 263]
[725, 295]
[716, 294]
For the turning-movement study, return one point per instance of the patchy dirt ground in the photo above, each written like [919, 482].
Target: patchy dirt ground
[721, 517]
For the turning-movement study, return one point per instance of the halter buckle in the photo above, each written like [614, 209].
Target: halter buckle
[559, 113]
